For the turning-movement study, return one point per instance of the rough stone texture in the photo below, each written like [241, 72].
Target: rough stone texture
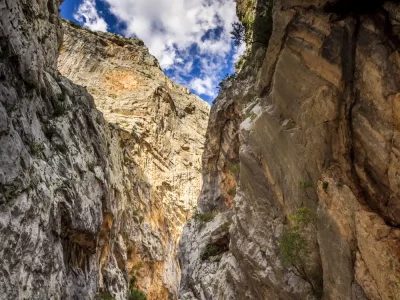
[163, 128]
[77, 214]
[320, 107]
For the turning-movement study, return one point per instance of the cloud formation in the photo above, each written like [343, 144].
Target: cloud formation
[190, 38]
[88, 16]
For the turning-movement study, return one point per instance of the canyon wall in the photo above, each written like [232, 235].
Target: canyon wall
[301, 166]
[162, 126]
[87, 202]
[300, 186]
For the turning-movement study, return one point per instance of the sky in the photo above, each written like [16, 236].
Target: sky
[190, 38]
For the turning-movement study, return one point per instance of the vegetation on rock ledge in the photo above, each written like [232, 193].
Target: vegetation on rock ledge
[135, 293]
[203, 218]
[295, 247]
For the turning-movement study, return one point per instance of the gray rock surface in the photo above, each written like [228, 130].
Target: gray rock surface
[163, 129]
[318, 129]
[75, 217]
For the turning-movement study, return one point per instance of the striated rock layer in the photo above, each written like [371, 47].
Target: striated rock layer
[311, 122]
[82, 205]
[163, 130]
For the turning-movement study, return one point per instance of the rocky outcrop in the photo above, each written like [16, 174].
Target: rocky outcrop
[81, 206]
[162, 128]
[300, 165]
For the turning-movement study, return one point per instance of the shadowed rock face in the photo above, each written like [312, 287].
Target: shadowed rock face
[86, 201]
[311, 120]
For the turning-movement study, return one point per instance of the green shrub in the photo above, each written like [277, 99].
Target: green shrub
[325, 185]
[50, 132]
[36, 149]
[105, 296]
[75, 25]
[226, 81]
[303, 216]
[137, 294]
[293, 247]
[252, 115]
[59, 109]
[240, 63]
[305, 184]
[225, 227]
[238, 33]
[132, 281]
[232, 192]
[209, 251]
[235, 169]
[204, 217]
[248, 21]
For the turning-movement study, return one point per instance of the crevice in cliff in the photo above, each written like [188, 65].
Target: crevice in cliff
[267, 89]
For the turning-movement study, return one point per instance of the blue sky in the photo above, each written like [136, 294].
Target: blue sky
[190, 38]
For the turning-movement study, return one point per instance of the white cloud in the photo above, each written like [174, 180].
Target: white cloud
[89, 17]
[204, 86]
[172, 29]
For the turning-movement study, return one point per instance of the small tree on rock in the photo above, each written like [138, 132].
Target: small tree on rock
[238, 33]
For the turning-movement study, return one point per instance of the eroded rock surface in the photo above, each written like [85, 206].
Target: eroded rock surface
[311, 121]
[162, 127]
[87, 201]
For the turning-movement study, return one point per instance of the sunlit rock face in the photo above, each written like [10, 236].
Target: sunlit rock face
[312, 120]
[87, 200]
[163, 129]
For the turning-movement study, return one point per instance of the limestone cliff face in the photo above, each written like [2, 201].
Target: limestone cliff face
[310, 124]
[163, 128]
[82, 207]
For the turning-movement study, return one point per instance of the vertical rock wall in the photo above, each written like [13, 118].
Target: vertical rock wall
[315, 128]
[79, 211]
[162, 126]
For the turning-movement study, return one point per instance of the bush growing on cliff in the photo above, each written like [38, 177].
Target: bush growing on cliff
[295, 248]
[226, 82]
[305, 184]
[204, 217]
[248, 21]
[36, 149]
[252, 115]
[240, 63]
[293, 245]
[75, 25]
[238, 33]
[232, 192]
[234, 168]
[59, 109]
[50, 132]
[135, 293]
[209, 251]
[303, 216]
[105, 296]
[325, 185]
